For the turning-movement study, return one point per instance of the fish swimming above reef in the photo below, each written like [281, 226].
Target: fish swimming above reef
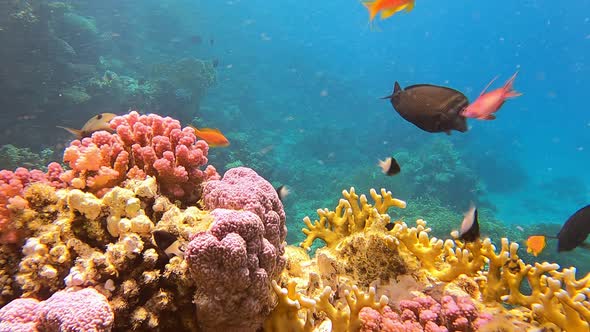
[389, 166]
[96, 123]
[469, 231]
[573, 233]
[432, 108]
[282, 192]
[387, 7]
[535, 244]
[212, 136]
[488, 103]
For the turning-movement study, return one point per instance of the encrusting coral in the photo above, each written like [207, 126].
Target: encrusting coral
[450, 271]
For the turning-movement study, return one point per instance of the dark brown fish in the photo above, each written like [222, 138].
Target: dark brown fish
[575, 230]
[389, 166]
[469, 231]
[96, 123]
[431, 108]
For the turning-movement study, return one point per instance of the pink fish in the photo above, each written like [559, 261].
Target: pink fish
[488, 103]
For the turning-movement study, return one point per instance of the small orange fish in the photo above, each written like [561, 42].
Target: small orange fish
[97, 123]
[387, 7]
[535, 244]
[212, 136]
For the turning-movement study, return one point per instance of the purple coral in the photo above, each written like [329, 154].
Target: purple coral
[243, 189]
[65, 311]
[81, 310]
[20, 315]
[426, 314]
[235, 260]
[229, 264]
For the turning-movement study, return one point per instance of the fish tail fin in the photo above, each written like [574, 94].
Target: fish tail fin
[72, 131]
[373, 10]
[508, 87]
[410, 6]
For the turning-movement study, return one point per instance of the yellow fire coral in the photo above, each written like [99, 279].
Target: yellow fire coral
[353, 214]
[358, 229]
[295, 312]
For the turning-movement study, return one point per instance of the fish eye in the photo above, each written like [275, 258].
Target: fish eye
[99, 116]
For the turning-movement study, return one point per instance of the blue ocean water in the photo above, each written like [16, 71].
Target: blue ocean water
[299, 85]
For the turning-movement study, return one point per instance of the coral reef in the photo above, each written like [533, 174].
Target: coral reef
[142, 145]
[426, 314]
[234, 261]
[68, 310]
[81, 250]
[443, 285]
[12, 186]
[12, 157]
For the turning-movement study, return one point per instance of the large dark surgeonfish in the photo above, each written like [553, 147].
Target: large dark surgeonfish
[575, 230]
[432, 108]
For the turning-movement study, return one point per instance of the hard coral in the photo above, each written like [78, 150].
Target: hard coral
[243, 189]
[12, 187]
[65, 311]
[20, 315]
[76, 310]
[234, 261]
[142, 145]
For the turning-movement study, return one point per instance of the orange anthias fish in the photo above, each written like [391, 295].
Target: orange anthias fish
[212, 136]
[535, 244]
[387, 7]
[488, 103]
[96, 123]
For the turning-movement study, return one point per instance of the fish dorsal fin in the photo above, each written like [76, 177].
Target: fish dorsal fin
[487, 86]
[396, 88]
[410, 6]
[73, 131]
[209, 130]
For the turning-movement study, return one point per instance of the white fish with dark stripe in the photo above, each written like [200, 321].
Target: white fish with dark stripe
[469, 231]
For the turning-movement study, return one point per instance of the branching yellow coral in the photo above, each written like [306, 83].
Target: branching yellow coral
[353, 214]
[556, 296]
[294, 312]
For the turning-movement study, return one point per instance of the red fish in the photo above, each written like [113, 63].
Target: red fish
[488, 103]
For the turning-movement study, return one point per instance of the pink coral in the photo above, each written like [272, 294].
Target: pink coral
[230, 265]
[65, 311]
[243, 188]
[20, 315]
[234, 261]
[76, 310]
[426, 314]
[142, 145]
[12, 186]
